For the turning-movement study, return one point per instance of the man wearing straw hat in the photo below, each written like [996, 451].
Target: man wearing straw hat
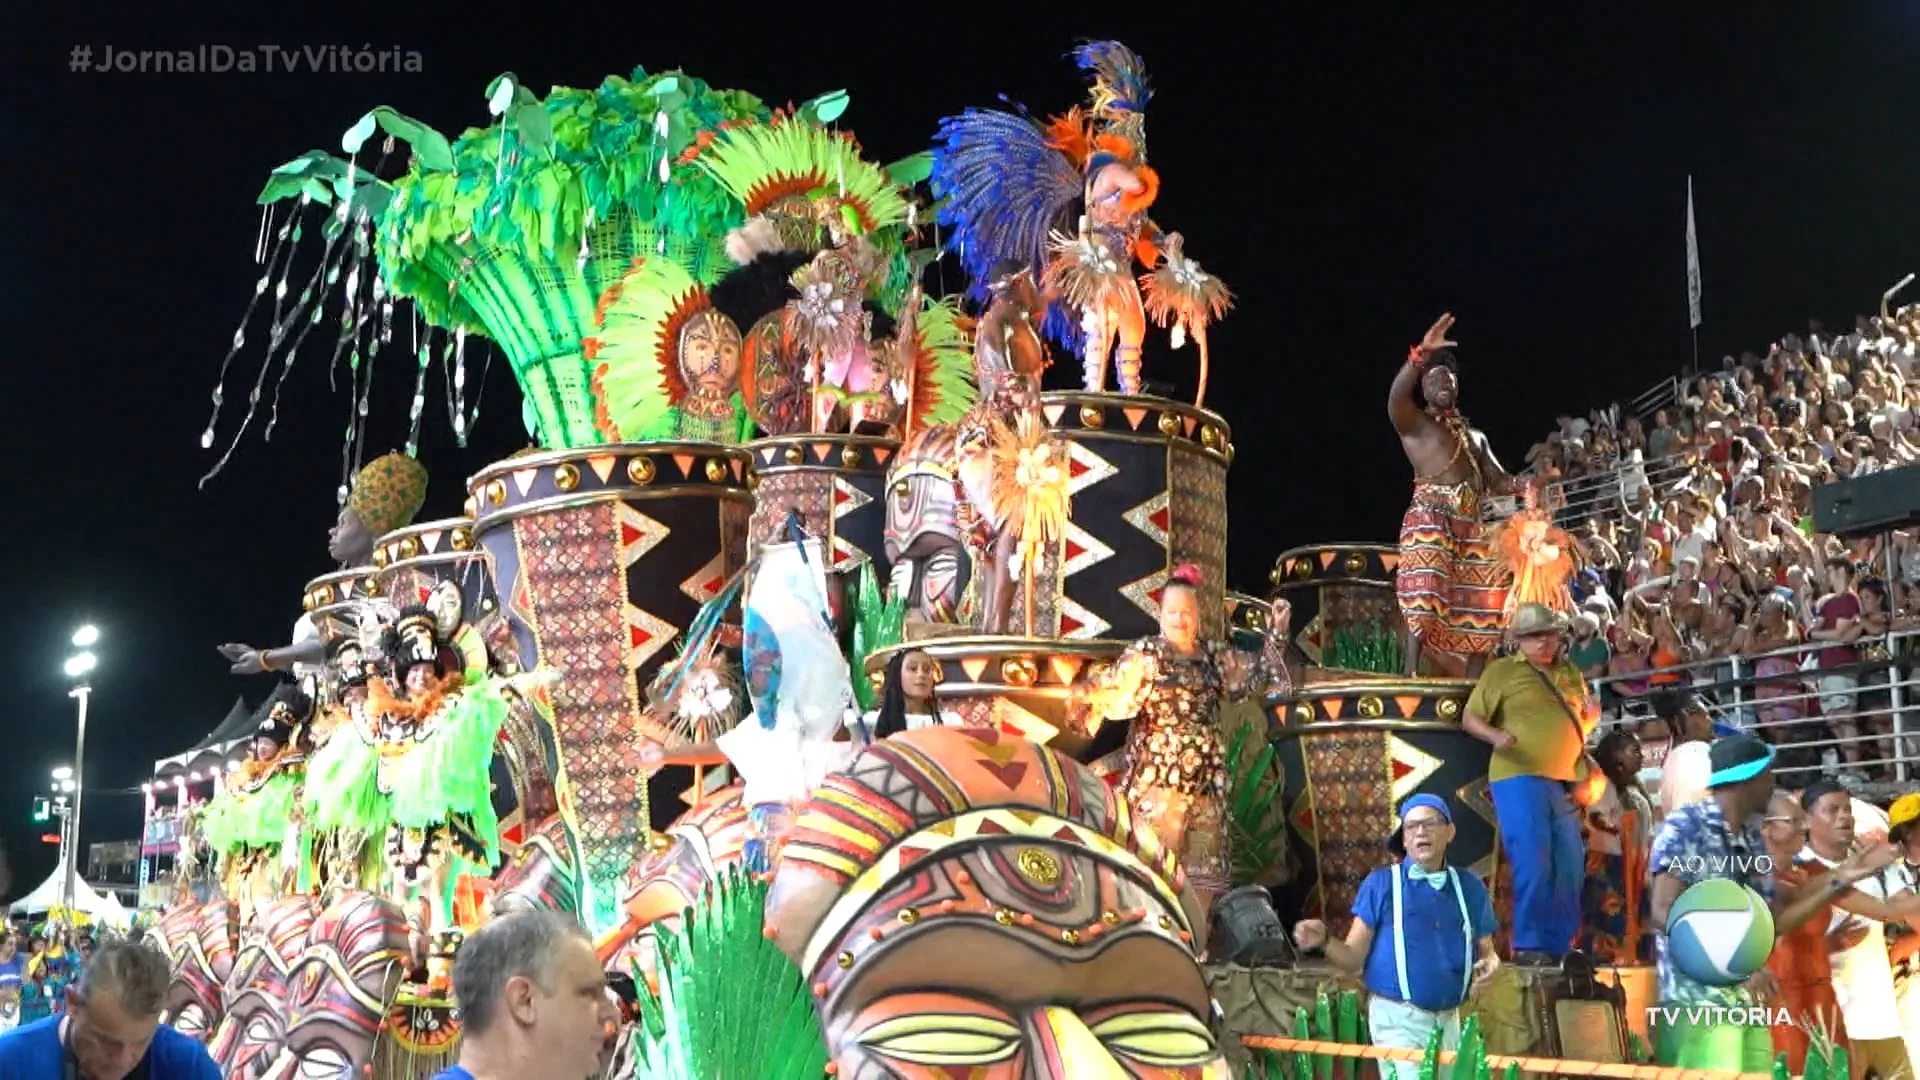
[1535, 710]
[1421, 939]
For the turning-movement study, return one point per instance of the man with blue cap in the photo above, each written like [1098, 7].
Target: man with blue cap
[1421, 939]
[1722, 837]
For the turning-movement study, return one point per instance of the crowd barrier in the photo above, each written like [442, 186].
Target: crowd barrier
[1787, 695]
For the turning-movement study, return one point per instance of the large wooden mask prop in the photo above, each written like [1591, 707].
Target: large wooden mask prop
[339, 988]
[199, 942]
[254, 1030]
[966, 903]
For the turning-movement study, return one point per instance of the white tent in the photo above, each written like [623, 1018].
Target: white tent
[52, 893]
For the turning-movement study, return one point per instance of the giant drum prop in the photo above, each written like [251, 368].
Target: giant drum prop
[333, 601]
[409, 564]
[1148, 480]
[1351, 752]
[1017, 685]
[602, 557]
[837, 482]
[1345, 613]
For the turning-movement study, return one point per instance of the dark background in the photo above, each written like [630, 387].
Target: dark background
[1351, 171]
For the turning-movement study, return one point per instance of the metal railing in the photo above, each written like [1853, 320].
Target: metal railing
[1773, 703]
[1659, 396]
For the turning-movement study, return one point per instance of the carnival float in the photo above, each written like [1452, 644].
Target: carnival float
[812, 640]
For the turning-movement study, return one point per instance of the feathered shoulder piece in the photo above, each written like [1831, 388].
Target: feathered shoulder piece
[1003, 185]
[635, 348]
[936, 357]
[799, 177]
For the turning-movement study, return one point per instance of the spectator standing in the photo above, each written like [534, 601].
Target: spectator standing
[1421, 939]
[1838, 616]
[1862, 970]
[533, 1001]
[1534, 709]
[111, 1029]
[1688, 767]
[1724, 831]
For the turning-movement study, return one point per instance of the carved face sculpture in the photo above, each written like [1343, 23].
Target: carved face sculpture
[709, 355]
[922, 532]
[540, 875]
[255, 1027]
[968, 904]
[194, 995]
[338, 990]
[702, 843]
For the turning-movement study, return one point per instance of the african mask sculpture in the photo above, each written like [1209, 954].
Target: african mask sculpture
[685, 860]
[965, 903]
[339, 988]
[926, 551]
[540, 875]
[199, 941]
[254, 1030]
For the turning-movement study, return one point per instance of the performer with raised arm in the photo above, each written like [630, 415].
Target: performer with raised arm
[1173, 684]
[1452, 583]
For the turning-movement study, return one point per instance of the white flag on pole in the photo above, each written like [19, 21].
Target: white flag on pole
[1693, 264]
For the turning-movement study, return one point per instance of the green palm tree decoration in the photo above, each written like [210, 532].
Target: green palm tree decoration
[730, 1003]
[1258, 835]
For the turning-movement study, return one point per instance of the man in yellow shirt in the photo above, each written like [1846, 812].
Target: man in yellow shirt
[1534, 709]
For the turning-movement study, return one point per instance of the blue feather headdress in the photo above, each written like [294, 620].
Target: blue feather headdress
[1002, 189]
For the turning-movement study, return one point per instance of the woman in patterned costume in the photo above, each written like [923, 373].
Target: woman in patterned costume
[966, 903]
[413, 769]
[1452, 583]
[1173, 769]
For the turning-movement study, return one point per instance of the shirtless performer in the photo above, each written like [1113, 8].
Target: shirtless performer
[1451, 583]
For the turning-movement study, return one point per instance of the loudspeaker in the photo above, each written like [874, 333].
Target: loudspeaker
[1247, 931]
[1870, 504]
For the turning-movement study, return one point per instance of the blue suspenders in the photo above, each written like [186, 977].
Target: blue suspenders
[1400, 935]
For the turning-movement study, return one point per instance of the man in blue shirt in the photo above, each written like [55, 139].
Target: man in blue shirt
[1422, 937]
[111, 1029]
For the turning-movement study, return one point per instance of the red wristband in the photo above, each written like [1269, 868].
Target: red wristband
[1418, 356]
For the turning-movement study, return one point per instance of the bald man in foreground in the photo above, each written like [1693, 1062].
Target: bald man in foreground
[534, 1001]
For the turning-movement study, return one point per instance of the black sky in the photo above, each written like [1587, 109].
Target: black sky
[1350, 170]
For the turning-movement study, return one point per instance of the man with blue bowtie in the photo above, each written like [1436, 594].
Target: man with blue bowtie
[1421, 939]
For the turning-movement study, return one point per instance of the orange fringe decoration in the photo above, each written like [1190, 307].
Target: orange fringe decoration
[383, 700]
[1541, 557]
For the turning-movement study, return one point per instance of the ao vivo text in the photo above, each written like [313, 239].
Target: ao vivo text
[1739, 866]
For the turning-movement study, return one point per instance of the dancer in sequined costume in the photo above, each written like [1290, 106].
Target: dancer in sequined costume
[1174, 766]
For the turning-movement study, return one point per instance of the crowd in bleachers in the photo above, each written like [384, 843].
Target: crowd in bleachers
[1695, 512]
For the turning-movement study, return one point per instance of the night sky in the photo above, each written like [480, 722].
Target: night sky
[1350, 176]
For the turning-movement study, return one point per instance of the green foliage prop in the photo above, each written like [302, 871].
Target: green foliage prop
[1257, 834]
[730, 1002]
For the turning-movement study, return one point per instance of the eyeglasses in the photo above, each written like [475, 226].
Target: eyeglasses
[1778, 818]
[1424, 825]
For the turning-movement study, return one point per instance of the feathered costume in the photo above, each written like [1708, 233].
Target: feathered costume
[809, 195]
[1009, 187]
[253, 824]
[653, 326]
[415, 770]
